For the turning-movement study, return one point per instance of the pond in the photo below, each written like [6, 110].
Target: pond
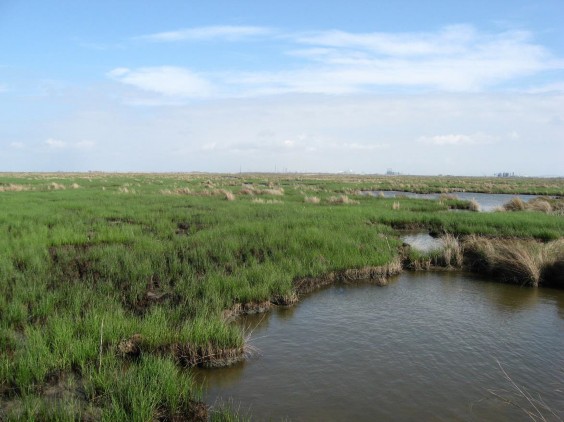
[488, 201]
[428, 346]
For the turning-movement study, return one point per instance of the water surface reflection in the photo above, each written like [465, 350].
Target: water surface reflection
[425, 347]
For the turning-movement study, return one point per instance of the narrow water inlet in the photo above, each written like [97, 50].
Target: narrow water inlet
[422, 241]
[427, 346]
[488, 201]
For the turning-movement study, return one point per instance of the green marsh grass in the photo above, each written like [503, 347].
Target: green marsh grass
[160, 258]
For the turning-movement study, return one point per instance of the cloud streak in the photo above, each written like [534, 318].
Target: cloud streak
[458, 139]
[165, 80]
[58, 144]
[456, 58]
[206, 33]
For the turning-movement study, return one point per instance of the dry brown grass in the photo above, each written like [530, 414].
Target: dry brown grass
[56, 186]
[474, 205]
[312, 200]
[228, 195]
[14, 188]
[396, 205]
[75, 186]
[251, 190]
[341, 199]
[177, 191]
[515, 204]
[541, 205]
[247, 191]
[452, 253]
[273, 191]
[266, 201]
[525, 262]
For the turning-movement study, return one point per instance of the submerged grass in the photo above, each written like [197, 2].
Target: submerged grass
[109, 290]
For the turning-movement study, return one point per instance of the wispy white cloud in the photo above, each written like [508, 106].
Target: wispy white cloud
[58, 144]
[17, 145]
[458, 139]
[452, 39]
[456, 58]
[223, 32]
[55, 143]
[554, 87]
[166, 80]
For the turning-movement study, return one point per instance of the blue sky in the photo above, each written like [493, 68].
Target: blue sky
[432, 87]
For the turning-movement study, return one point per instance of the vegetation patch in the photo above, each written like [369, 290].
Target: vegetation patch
[107, 298]
[525, 262]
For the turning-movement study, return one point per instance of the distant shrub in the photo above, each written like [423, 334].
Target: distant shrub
[230, 196]
[473, 205]
[341, 199]
[266, 201]
[515, 204]
[541, 205]
[13, 188]
[312, 200]
[56, 186]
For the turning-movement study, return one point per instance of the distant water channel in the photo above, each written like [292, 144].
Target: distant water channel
[425, 347]
[487, 201]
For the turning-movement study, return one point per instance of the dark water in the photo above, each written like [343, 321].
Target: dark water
[425, 347]
[487, 201]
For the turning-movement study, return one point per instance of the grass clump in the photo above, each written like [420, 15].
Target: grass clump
[451, 252]
[473, 205]
[515, 204]
[56, 186]
[312, 200]
[11, 187]
[341, 199]
[525, 262]
[539, 204]
[266, 201]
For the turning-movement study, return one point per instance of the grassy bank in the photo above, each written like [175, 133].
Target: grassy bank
[112, 285]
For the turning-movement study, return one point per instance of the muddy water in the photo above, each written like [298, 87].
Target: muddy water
[487, 201]
[425, 347]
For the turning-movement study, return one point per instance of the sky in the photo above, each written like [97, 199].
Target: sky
[419, 87]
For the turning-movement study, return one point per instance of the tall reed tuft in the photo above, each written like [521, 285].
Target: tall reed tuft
[312, 200]
[519, 261]
[515, 204]
[451, 251]
[341, 199]
[473, 205]
[540, 205]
